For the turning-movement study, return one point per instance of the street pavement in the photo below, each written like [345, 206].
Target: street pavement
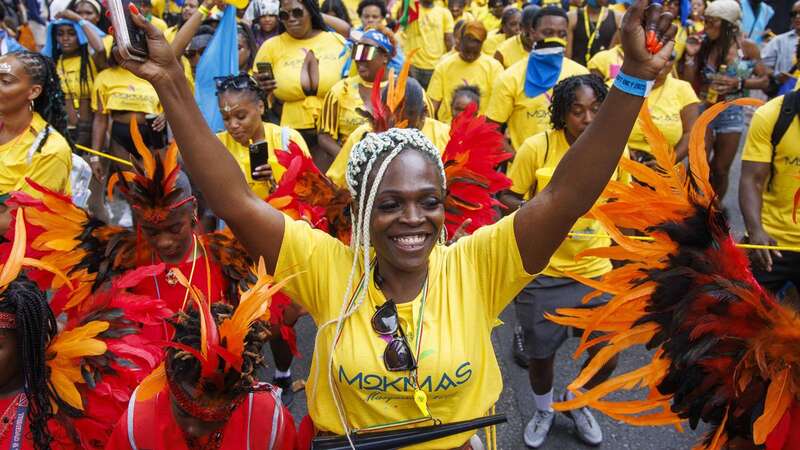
[516, 400]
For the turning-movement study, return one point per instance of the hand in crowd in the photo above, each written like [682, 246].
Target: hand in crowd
[263, 173]
[69, 15]
[267, 83]
[161, 58]
[639, 62]
[160, 123]
[763, 257]
[725, 84]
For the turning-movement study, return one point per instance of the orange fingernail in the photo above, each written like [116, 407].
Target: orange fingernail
[133, 8]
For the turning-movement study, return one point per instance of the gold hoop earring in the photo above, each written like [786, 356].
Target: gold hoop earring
[30, 106]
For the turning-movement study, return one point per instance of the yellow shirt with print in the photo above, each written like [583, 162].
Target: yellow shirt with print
[607, 63]
[437, 132]
[665, 103]
[525, 116]
[286, 54]
[469, 284]
[776, 210]
[533, 167]
[453, 72]
[117, 89]
[427, 34]
[512, 51]
[273, 136]
[69, 73]
[50, 166]
[339, 115]
[493, 39]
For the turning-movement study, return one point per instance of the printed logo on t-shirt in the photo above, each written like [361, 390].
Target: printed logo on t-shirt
[382, 386]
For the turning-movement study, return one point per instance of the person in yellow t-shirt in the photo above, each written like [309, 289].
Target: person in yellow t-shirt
[167, 9]
[576, 101]
[674, 107]
[431, 35]
[606, 63]
[415, 111]
[447, 298]
[767, 188]
[340, 112]
[468, 67]
[457, 9]
[518, 47]
[306, 62]
[525, 116]
[78, 51]
[509, 27]
[494, 11]
[32, 126]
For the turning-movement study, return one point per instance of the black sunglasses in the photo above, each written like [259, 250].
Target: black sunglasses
[239, 82]
[794, 14]
[297, 13]
[397, 356]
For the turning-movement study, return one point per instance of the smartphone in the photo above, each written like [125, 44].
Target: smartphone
[129, 39]
[258, 155]
[265, 68]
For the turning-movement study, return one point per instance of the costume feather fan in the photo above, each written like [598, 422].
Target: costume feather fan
[726, 352]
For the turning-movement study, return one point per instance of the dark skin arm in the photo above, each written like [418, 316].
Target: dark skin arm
[751, 188]
[328, 144]
[187, 31]
[586, 168]
[689, 115]
[511, 200]
[449, 42]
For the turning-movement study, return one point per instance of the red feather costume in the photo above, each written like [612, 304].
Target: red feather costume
[727, 353]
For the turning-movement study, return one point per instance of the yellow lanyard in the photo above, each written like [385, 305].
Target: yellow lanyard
[592, 34]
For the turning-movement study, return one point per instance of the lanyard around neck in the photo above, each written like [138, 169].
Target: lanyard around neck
[592, 34]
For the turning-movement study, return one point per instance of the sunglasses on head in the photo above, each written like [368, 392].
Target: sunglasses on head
[397, 356]
[297, 13]
[364, 52]
[239, 82]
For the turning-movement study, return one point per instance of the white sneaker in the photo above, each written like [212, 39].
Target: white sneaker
[537, 429]
[587, 427]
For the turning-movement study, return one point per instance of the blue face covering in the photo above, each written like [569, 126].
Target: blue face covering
[544, 67]
[50, 43]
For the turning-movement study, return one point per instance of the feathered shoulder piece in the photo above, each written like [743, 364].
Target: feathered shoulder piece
[727, 353]
[66, 237]
[305, 193]
[151, 188]
[96, 359]
[234, 261]
[470, 164]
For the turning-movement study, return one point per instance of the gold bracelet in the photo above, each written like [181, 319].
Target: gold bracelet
[203, 10]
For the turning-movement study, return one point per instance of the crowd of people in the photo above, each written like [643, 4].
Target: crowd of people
[175, 255]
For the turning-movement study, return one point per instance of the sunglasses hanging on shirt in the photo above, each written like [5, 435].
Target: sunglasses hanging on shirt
[364, 52]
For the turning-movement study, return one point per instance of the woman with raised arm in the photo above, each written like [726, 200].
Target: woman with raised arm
[404, 337]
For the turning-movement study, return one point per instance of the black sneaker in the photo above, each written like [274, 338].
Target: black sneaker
[518, 344]
[287, 394]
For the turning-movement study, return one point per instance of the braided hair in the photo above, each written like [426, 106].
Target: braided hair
[564, 96]
[35, 328]
[183, 367]
[86, 75]
[243, 83]
[50, 103]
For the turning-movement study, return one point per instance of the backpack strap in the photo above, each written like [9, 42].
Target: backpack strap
[790, 107]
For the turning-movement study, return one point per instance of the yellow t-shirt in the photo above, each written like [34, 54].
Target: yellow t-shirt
[437, 132]
[286, 54]
[490, 22]
[607, 62]
[492, 41]
[273, 136]
[69, 72]
[339, 115]
[117, 89]
[776, 210]
[533, 167]
[525, 116]
[49, 167]
[469, 284]
[453, 72]
[666, 103]
[170, 33]
[512, 51]
[158, 7]
[427, 34]
[158, 23]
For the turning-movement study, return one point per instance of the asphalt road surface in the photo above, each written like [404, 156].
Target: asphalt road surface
[516, 400]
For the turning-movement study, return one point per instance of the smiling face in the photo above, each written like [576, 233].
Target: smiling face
[408, 212]
[295, 18]
[67, 39]
[16, 88]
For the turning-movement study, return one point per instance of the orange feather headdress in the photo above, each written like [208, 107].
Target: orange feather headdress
[726, 350]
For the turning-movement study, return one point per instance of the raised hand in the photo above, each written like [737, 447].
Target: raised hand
[160, 58]
[642, 19]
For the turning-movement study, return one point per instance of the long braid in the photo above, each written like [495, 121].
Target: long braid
[36, 327]
[50, 103]
[375, 149]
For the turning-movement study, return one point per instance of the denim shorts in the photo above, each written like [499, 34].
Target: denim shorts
[731, 120]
